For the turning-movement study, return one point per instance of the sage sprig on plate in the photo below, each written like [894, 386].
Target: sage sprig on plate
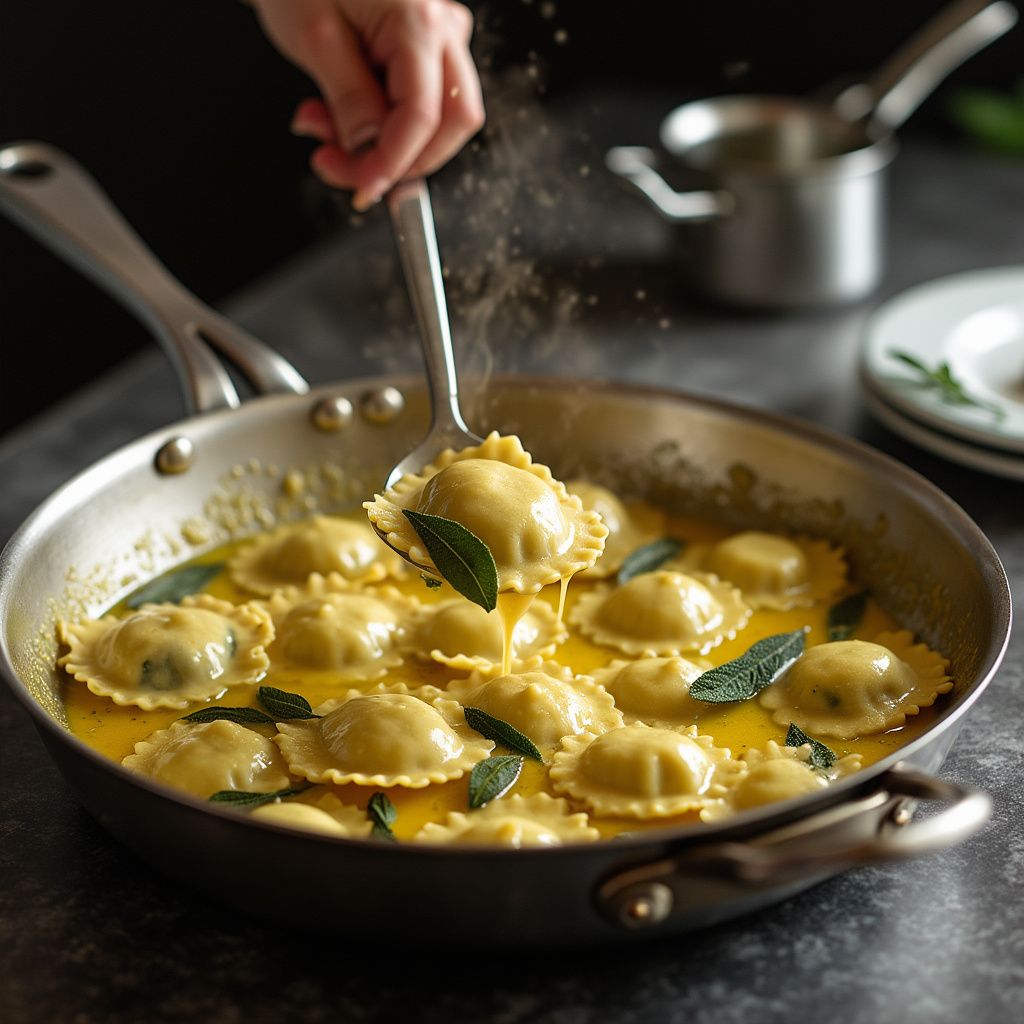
[243, 716]
[501, 732]
[381, 811]
[821, 756]
[243, 801]
[949, 389]
[283, 705]
[845, 616]
[460, 556]
[173, 586]
[750, 673]
[648, 557]
[493, 778]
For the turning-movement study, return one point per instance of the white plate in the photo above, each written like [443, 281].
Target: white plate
[986, 459]
[975, 323]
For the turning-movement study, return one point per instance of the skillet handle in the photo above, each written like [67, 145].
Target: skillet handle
[858, 832]
[53, 198]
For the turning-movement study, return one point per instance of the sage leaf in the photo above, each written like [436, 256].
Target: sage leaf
[243, 716]
[741, 678]
[244, 801]
[493, 778]
[460, 556]
[381, 811]
[821, 756]
[844, 616]
[173, 586]
[501, 732]
[282, 705]
[648, 558]
[949, 389]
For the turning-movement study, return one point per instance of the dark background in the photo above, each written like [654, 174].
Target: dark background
[180, 108]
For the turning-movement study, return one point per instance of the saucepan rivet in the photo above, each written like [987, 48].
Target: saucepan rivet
[175, 456]
[646, 905]
[332, 413]
[383, 406]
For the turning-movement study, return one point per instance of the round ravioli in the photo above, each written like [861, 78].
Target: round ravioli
[328, 816]
[627, 530]
[206, 758]
[537, 532]
[638, 771]
[662, 613]
[289, 555]
[463, 635]
[330, 624]
[853, 688]
[516, 821]
[168, 655]
[772, 571]
[544, 703]
[383, 739]
[655, 691]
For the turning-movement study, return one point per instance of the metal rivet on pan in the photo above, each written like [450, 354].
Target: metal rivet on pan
[332, 413]
[646, 905]
[903, 814]
[176, 456]
[383, 406]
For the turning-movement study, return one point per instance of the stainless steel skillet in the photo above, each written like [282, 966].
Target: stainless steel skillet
[124, 520]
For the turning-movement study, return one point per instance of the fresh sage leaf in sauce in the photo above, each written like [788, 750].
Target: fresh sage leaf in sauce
[493, 778]
[821, 756]
[461, 557]
[501, 732]
[648, 558]
[844, 616]
[741, 678]
[282, 705]
[381, 811]
[173, 586]
[247, 801]
[949, 389]
[243, 716]
[431, 582]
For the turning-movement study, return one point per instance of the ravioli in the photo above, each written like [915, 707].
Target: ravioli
[544, 703]
[329, 624]
[289, 555]
[852, 688]
[655, 691]
[168, 655]
[662, 613]
[383, 739]
[205, 758]
[516, 821]
[638, 771]
[463, 635]
[537, 532]
[328, 816]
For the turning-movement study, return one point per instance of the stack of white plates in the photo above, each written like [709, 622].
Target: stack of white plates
[973, 325]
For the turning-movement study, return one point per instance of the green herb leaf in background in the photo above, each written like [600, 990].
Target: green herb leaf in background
[381, 811]
[501, 732]
[949, 389]
[282, 705]
[243, 716]
[845, 615]
[460, 556]
[821, 756]
[741, 678]
[173, 586]
[247, 801]
[493, 778]
[993, 119]
[648, 558]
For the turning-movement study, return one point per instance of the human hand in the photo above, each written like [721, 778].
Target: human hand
[375, 131]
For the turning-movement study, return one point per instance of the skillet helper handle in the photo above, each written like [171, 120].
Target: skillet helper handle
[636, 165]
[53, 198]
[872, 829]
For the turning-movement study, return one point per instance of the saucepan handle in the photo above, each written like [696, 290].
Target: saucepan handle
[636, 165]
[61, 205]
[871, 829]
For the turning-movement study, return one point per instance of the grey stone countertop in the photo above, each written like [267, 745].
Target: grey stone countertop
[589, 287]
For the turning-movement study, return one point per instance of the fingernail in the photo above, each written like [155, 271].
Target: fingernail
[360, 138]
[370, 194]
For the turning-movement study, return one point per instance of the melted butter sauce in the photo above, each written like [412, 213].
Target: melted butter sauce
[114, 731]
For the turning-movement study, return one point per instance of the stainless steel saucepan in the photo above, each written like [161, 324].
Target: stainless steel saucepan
[786, 197]
[216, 475]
